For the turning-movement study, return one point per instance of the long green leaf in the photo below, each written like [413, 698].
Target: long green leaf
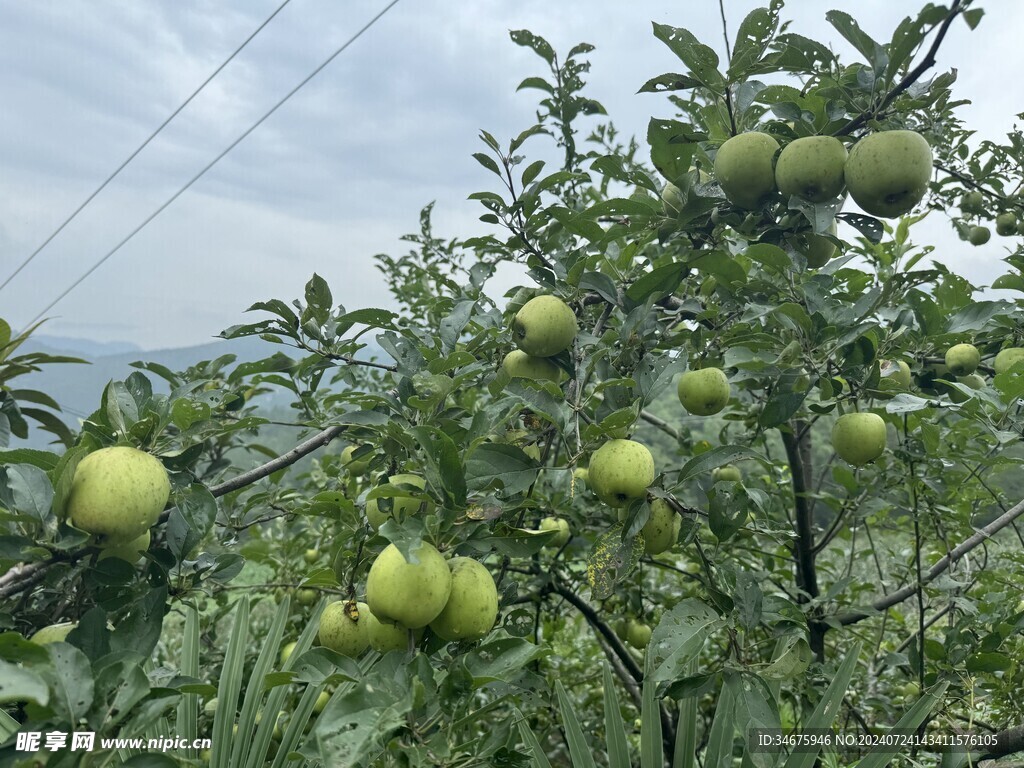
[685, 752]
[540, 760]
[614, 726]
[723, 729]
[881, 756]
[651, 755]
[188, 707]
[828, 707]
[230, 685]
[579, 750]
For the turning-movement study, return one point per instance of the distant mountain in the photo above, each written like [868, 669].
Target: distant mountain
[83, 347]
[78, 387]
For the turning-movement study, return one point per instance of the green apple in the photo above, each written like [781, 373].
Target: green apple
[401, 506]
[704, 392]
[355, 468]
[910, 690]
[887, 173]
[620, 471]
[859, 437]
[1007, 358]
[811, 168]
[410, 594]
[321, 702]
[388, 637]
[519, 365]
[978, 235]
[556, 524]
[342, 628]
[973, 381]
[744, 170]
[210, 707]
[817, 249]
[130, 552]
[661, 531]
[54, 633]
[691, 567]
[311, 555]
[897, 371]
[544, 326]
[727, 473]
[117, 494]
[472, 606]
[580, 477]
[962, 359]
[638, 634]
[306, 596]
[1006, 224]
[671, 199]
[972, 202]
[286, 652]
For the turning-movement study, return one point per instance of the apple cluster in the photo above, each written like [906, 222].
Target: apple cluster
[886, 173]
[972, 205]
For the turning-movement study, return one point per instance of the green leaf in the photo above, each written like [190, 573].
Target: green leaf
[614, 725]
[499, 659]
[988, 662]
[881, 755]
[678, 638]
[792, 657]
[828, 707]
[651, 755]
[70, 681]
[657, 283]
[755, 33]
[713, 459]
[701, 60]
[533, 747]
[190, 520]
[848, 27]
[18, 685]
[500, 466]
[975, 316]
[579, 750]
[540, 46]
[770, 256]
[723, 729]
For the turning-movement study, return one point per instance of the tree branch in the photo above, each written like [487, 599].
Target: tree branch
[888, 601]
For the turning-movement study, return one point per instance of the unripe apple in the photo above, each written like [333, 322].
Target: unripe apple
[887, 173]
[306, 596]
[311, 555]
[556, 524]
[974, 381]
[661, 531]
[859, 437]
[620, 471]
[1007, 358]
[410, 594]
[962, 359]
[544, 326]
[817, 249]
[704, 392]
[342, 628]
[897, 371]
[388, 637]
[321, 702]
[401, 506]
[117, 494]
[638, 634]
[130, 552]
[54, 633]
[286, 651]
[1006, 224]
[355, 468]
[580, 476]
[671, 199]
[910, 690]
[811, 168]
[972, 202]
[744, 170]
[978, 235]
[519, 365]
[727, 473]
[472, 606]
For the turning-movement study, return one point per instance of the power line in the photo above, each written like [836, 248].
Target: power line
[213, 162]
[141, 147]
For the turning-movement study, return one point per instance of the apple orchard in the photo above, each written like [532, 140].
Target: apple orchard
[737, 454]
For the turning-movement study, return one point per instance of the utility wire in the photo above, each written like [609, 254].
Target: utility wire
[213, 162]
[141, 147]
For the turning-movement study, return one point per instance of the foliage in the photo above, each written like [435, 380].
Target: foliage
[807, 594]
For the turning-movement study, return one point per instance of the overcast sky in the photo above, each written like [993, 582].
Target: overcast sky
[341, 171]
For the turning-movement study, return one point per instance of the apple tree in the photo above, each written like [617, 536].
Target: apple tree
[737, 454]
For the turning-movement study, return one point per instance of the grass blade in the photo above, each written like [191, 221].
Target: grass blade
[881, 756]
[579, 750]
[230, 685]
[651, 755]
[723, 730]
[614, 726]
[828, 707]
[188, 707]
[685, 750]
[533, 747]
